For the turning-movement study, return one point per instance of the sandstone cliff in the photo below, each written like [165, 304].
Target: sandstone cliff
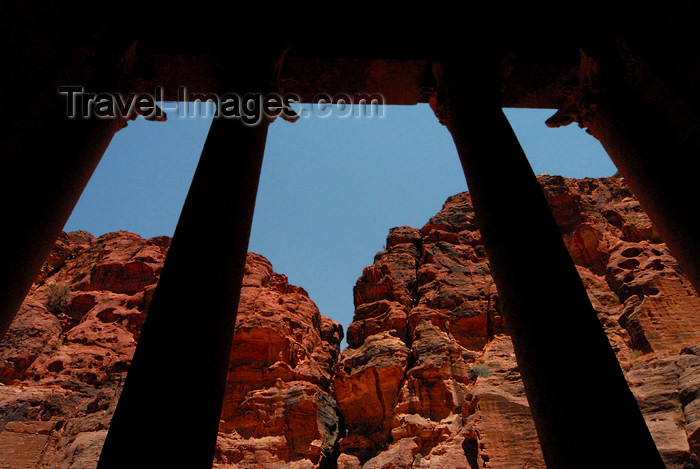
[66, 356]
[429, 378]
[430, 358]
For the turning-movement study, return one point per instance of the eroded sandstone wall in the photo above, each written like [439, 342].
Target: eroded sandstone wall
[429, 378]
[62, 364]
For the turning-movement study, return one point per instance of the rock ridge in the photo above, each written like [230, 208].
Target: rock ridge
[427, 319]
[428, 380]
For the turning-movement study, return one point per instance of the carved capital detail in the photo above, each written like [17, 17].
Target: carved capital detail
[439, 95]
[581, 97]
[602, 72]
[464, 88]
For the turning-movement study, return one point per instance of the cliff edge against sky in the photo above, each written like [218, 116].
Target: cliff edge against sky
[429, 378]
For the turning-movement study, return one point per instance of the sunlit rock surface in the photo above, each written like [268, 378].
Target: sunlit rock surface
[429, 378]
[461, 402]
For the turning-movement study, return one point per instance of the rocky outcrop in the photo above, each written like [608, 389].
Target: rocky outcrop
[427, 320]
[66, 355]
[277, 408]
[429, 378]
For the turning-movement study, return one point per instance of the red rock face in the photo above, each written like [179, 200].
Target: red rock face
[429, 379]
[67, 353]
[65, 357]
[427, 321]
[277, 407]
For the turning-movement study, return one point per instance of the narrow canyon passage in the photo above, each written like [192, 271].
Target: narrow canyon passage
[429, 377]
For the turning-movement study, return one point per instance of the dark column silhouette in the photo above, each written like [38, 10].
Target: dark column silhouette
[650, 133]
[169, 410]
[577, 392]
[48, 159]
[651, 144]
[653, 162]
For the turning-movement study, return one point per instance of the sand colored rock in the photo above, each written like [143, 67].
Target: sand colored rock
[501, 413]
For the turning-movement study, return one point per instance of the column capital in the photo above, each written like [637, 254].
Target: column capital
[580, 97]
[257, 71]
[606, 70]
[465, 87]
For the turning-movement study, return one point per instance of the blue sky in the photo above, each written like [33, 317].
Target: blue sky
[330, 188]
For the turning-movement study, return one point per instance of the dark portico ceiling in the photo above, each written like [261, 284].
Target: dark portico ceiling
[394, 62]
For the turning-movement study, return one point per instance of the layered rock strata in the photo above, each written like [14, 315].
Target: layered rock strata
[277, 407]
[429, 378]
[66, 356]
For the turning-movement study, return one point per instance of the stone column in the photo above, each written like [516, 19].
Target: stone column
[651, 135]
[169, 410]
[48, 159]
[577, 392]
